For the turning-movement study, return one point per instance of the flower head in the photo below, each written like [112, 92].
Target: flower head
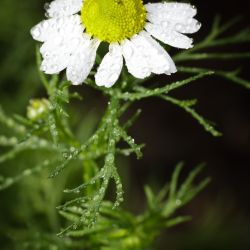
[113, 20]
[74, 29]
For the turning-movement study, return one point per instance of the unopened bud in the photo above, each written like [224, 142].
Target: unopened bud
[38, 109]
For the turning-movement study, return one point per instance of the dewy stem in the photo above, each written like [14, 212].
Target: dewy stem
[107, 126]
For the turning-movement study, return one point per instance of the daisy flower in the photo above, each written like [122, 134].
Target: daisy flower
[75, 28]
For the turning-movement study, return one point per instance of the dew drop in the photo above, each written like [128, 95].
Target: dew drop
[178, 202]
[92, 182]
[128, 51]
[165, 24]
[120, 199]
[96, 198]
[87, 214]
[27, 172]
[35, 32]
[8, 181]
[46, 6]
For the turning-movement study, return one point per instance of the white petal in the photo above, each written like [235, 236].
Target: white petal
[55, 63]
[176, 19]
[58, 47]
[172, 38]
[185, 26]
[135, 60]
[110, 67]
[169, 20]
[157, 58]
[56, 54]
[59, 8]
[82, 60]
[64, 26]
[174, 10]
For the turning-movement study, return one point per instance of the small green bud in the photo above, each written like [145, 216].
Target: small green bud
[38, 109]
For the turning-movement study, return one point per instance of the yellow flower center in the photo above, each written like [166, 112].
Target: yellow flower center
[113, 20]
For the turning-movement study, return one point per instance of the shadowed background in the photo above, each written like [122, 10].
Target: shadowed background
[221, 212]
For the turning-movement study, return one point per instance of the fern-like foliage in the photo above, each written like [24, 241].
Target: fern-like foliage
[120, 229]
[215, 40]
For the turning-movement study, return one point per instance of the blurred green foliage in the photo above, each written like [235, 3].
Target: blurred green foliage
[18, 78]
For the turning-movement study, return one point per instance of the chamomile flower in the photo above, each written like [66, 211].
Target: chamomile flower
[75, 28]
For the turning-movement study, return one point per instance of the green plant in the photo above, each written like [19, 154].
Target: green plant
[92, 221]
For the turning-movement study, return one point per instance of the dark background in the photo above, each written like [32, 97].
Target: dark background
[221, 212]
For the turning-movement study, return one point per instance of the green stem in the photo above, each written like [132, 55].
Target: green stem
[108, 123]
